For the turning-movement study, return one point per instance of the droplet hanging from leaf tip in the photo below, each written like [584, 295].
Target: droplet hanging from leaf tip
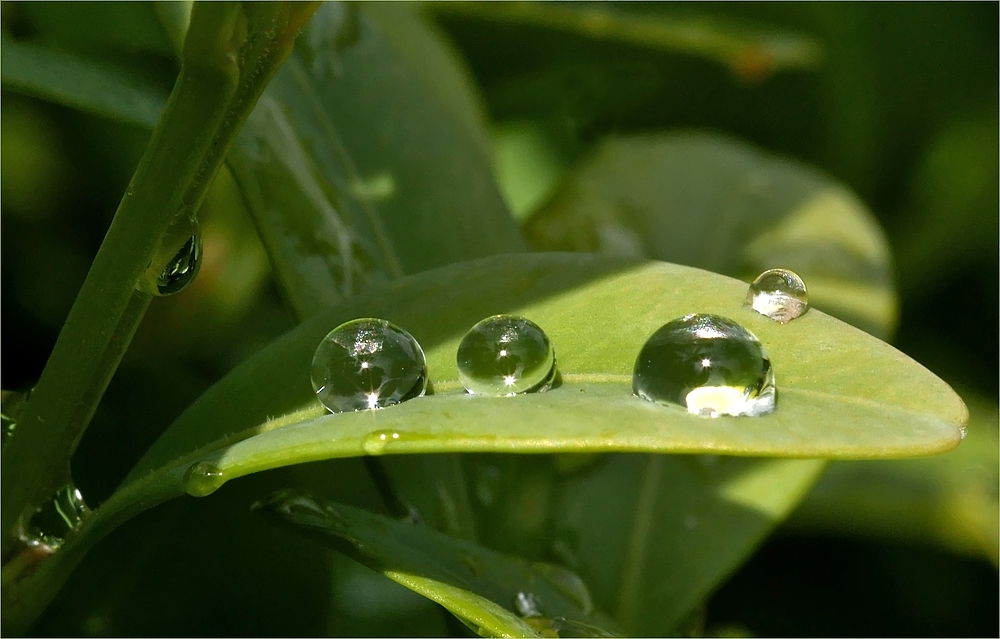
[368, 364]
[709, 365]
[506, 355]
[778, 294]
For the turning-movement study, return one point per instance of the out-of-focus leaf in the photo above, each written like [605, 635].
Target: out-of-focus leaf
[427, 51]
[711, 202]
[76, 81]
[483, 587]
[954, 203]
[752, 53]
[949, 500]
[670, 528]
[94, 26]
[355, 172]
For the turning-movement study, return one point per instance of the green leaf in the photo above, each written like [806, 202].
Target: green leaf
[76, 81]
[355, 173]
[711, 202]
[654, 534]
[476, 584]
[841, 392]
[950, 500]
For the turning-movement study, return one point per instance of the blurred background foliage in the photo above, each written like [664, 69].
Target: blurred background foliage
[897, 101]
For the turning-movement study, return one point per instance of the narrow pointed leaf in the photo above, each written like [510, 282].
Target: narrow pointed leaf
[444, 569]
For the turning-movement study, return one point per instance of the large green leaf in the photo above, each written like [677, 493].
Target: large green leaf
[712, 202]
[79, 82]
[477, 584]
[842, 393]
[356, 173]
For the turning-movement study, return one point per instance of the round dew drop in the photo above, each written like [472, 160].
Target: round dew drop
[709, 365]
[55, 519]
[506, 355]
[778, 294]
[203, 478]
[367, 364]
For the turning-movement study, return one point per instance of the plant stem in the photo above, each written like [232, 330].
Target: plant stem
[231, 52]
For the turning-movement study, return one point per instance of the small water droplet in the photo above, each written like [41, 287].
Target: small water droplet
[11, 405]
[366, 364]
[55, 519]
[203, 478]
[690, 522]
[778, 294]
[708, 364]
[506, 355]
[376, 442]
[176, 261]
[527, 604]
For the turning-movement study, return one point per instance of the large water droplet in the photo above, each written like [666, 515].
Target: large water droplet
[368, 363]
[527, 604]
[506, 355]
[55, 519]
[708, 364]
[203, 478]
[778, 294]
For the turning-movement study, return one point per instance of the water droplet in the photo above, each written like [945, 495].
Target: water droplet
[11, 405]
[203, 478]
[366, 364]
[376, 442]
[690, 522]
[708, 364]
[506, 355]
[778, 294]
[176, 261]
[56, 519]
[527, 604]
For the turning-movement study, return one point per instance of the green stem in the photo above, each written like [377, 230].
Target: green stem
[231, 52]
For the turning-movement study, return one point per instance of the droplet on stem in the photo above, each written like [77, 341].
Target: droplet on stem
[55, 519]
[367, 364]
[778, 294]
[506, 355]
[708, 364]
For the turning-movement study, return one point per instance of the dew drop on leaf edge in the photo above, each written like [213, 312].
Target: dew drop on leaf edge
[707, 364]
[203, 478]
[778, 294]
[506, 355]
[367, 363]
